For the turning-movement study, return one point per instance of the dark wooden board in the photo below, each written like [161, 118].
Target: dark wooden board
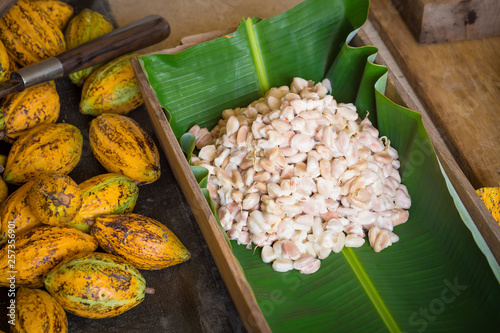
[190, 297]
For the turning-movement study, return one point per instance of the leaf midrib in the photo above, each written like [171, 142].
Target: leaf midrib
[257, 57]
[370, 290]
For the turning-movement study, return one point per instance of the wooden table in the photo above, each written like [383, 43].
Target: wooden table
[456, 84]
[459, 86]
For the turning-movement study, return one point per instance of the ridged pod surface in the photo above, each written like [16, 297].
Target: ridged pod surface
[58, 11]
[46, 148]
[109, 193]
[29, 35]
[16, 212]
[37, 312]
[26, 109]
[112, 88]
[96, 285]
[84, 27]
[55, 198]
[122, 146]
[4, 63]
[143, 241]
[39, 250]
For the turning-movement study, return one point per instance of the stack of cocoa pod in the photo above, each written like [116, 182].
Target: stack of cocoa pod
[78, 247]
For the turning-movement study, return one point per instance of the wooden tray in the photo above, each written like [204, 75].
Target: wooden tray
[227, 264]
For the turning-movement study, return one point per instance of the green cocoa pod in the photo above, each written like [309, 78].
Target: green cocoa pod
[96, 285]
[84, 27]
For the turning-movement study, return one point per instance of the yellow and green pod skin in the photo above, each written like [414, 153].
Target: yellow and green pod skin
[29, 35]
[3, 162]
[143, 241]
[109, 193]
[22, 111]
[46, 148]
[4, 63]
[55, 198]
[38, 312]
[58, 11]
[112, 88]
[84, 27]
[122, 146]
[4, 190]
[96, 285]
[15, 214]
[39, 250]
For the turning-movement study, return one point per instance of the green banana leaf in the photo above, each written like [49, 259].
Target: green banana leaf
[440, 276]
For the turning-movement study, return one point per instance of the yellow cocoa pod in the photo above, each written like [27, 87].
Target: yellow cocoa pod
[84, 27]
[24, 110]
[29, 35]
[491, 198]
[15, 214]
[13, 66]
[143, 241]
[4, 63]
[122, 146]
[39, 250]
[38, 312]
[96, 285]
[4, 190]
[109, 193]
[55, 198]
[46, 148]
[112, 88]
[58, 11]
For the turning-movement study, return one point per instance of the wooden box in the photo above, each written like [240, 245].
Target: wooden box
[436, 21]
[227, 264]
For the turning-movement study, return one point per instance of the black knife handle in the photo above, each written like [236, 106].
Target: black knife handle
[127, 39]
[5, 5]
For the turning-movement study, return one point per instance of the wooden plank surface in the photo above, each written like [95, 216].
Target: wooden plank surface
[435, 21]
[459, 85]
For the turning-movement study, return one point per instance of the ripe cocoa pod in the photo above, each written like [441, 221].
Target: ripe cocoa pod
[96, 285]
[84, 27]
[55, 198]
[4, 190]
[109, 193]
[37, 312]
[58, 11]
[24, 110]
[4, 63]
[143, 241]
[16, 215]
[122, 146]
[112, 88]
[29, 35]
[39, 250]
[46, 148]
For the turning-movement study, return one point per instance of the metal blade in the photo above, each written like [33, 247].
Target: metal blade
[10, 86]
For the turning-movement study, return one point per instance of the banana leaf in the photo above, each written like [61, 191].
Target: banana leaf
[440, 276]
